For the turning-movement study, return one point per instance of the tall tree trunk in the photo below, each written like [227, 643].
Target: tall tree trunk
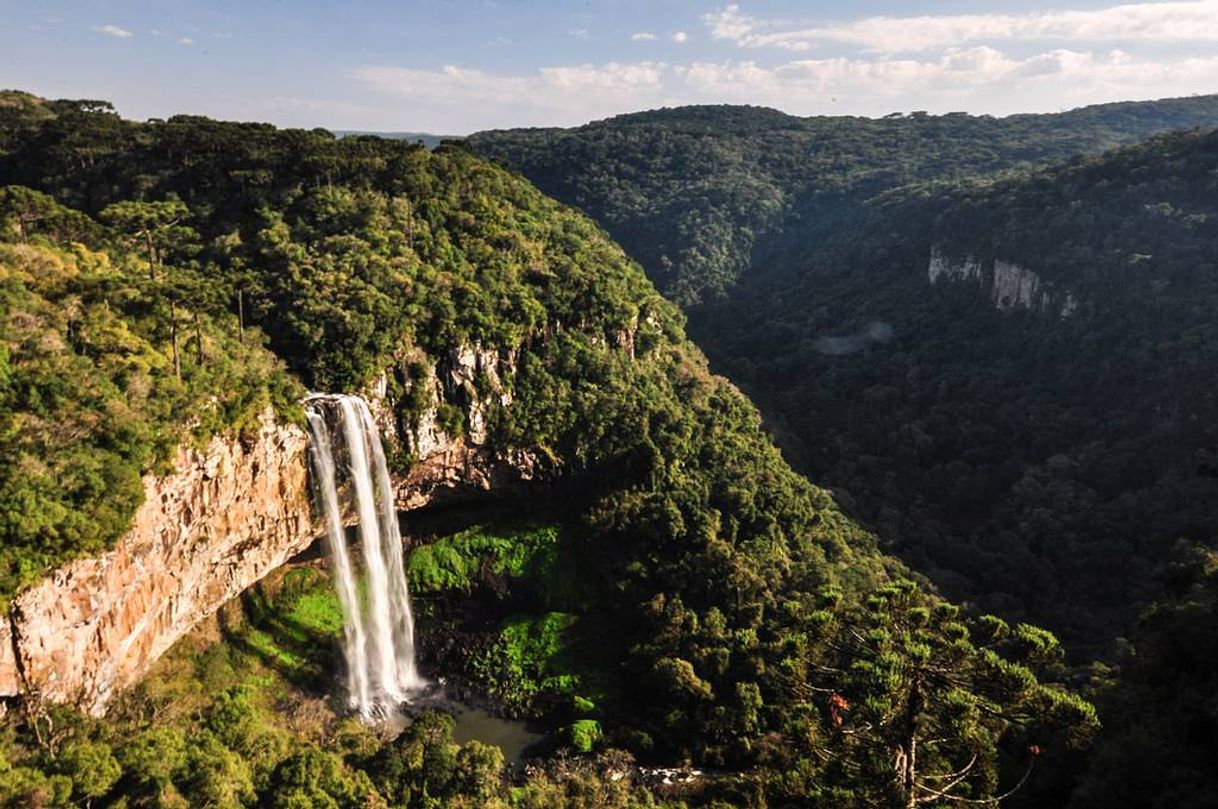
[199, 338]
[240, 317]
[909, 786]
[173, 336]
[151, 255]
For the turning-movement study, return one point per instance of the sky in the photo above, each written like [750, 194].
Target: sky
[458, 66]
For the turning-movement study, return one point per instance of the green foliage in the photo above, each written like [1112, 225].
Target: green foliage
[89, 399]
[529, 661]
[91, 766]
[584, 734]
[702, 195]
[1037, 465]
[1161, 720]
[713, 581]
[918, 688]
[455, 561]
[153, 758]
[1038, 468]
[313, 777]
[215, 775]
[31, 786]
[423, 767]
[293, 624]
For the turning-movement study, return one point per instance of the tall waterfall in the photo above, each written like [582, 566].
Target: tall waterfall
[378, 631]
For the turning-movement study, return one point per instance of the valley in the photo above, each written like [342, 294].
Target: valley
[543, 553]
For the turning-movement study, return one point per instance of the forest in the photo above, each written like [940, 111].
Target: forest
[170, 280]
[1047, 463]
[703, 196]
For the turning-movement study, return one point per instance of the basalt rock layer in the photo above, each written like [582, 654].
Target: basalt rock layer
[224, 518]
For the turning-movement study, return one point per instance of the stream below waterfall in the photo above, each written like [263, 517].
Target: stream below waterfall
[517, 738]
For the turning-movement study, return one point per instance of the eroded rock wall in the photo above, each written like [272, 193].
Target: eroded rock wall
[1008, 286]
[224, 518]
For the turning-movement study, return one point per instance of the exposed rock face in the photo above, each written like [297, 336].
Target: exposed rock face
[471, 378]
[461, 471]
[941, 266]
[222, 520]
[468, 367]
[1008, 286]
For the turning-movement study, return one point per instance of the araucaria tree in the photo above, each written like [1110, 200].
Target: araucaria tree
[929, 705]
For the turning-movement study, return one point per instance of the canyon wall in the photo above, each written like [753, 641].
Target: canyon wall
[1008, 286]
[224, 518]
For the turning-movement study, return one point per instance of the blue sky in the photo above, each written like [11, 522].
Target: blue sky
[455, 66]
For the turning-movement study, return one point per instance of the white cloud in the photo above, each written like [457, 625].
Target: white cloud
[113, 30]
[643, 36]
[460, 99]
[1150, 22]
[980, 79]
[186, 41]
[578, 33]
[680, 37]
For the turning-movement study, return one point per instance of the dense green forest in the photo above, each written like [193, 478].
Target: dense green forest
[703, 196]
[1058, 469]
[726, 612]
[1042, 466]
[99, 361]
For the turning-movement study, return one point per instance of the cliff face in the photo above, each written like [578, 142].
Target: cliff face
[1008, 286]
[451, 468]
[222, 520]
[226, 517]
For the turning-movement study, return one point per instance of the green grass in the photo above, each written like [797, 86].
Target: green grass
[267, 647]
[290, 624]
[318, 611]
[583, 735]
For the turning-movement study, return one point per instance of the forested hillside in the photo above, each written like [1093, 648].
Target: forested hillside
[103, 372]
[716, 607]
[702, 196]
[1008, 376]
[957, 432]
[1041, 462]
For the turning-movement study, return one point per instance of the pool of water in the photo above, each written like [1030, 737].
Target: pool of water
[514, 737]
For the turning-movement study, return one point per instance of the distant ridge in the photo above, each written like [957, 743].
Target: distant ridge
[426, 138]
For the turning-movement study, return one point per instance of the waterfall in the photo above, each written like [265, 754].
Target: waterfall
[378, 630]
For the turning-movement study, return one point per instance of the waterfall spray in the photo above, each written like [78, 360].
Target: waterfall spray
[378, 629]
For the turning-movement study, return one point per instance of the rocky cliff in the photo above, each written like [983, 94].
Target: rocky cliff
[224, 518]
[1008, 286]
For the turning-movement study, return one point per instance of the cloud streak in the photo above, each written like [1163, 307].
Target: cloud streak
[113, 30]
[1151, 22]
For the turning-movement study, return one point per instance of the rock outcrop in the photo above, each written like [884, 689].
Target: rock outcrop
[470, 377]
[1008, 286]
[462, 471]
[224, 518]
